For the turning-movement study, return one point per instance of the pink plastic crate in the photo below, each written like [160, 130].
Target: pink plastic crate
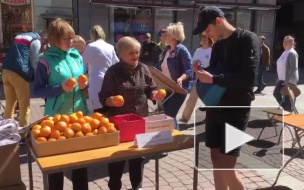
[129, 125]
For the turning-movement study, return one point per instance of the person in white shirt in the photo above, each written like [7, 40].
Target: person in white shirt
[287, 69]
[202, 56]
[99, 56]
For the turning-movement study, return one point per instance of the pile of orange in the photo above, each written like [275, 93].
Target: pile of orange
[62, 127]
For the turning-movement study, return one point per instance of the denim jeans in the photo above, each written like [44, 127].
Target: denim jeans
[282, 100]
[259, 77]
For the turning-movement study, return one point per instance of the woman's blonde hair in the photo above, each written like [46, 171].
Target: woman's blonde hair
[291, 39]
[210, 40]
[125, 44]
[97, 33]
[79, 39]
[57, 29]
[177, 31]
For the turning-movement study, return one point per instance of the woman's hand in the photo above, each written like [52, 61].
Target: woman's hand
[110, 102]
[180, 81]
[66, 87]
[82, 85]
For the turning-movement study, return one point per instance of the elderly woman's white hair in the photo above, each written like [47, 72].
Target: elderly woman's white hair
[177, 31]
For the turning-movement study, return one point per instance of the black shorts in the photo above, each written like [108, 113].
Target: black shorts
[215, 126]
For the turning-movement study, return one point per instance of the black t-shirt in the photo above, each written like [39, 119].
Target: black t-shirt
[239, 54]
[150, 53]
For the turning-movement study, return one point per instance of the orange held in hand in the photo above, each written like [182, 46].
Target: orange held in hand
[71, 82]
[82, 79]
[161, 94]
[118, 101]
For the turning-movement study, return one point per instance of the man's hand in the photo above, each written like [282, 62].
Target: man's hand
[203, 76]
[66, 87]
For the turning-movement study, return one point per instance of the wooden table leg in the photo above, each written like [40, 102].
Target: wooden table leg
[29, 163]
[157, 172]
[45, 181]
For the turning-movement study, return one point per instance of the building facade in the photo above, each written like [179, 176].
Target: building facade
[136, 17]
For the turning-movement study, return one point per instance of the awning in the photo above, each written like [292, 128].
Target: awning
[223, 5]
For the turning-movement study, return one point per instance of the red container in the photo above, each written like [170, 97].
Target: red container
[128, 125]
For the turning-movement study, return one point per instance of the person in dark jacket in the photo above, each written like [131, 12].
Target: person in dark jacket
[18, 70]
[263, 65]
[238, 51]
[150, 51]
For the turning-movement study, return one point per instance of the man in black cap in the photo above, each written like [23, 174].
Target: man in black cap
[237, 52]
[150, 51]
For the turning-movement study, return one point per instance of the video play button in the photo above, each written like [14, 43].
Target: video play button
[235, 138]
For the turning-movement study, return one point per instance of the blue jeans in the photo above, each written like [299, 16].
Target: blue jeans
[282, 100]
[259, 77]
[172, 106]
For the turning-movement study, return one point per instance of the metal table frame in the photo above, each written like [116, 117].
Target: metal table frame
[30, 153]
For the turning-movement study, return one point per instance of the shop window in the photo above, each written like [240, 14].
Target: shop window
[16, 18]
[142, 24]
[244, 19]
[162, 19]
[121, 23]
[227, 1]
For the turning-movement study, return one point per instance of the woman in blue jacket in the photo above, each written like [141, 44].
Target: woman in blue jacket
[175, 63]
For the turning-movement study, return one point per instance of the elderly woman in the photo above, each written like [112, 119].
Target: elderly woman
[202, 56]
[175, 63]
[287, 69]
[99, 56]
[134, 82]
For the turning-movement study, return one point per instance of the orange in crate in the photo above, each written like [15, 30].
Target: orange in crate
[97, 116]
[86, 128]
[36, 133]
[61, 138]
[69, 133]
[89, 134]
[45, 131]
[102, 130]
[76, 127]
[73, 118]
[61, 126]
[55, 134]
[36, 127]
[87, 119]
[41, 140]
[79, 134]
[95, 123]
[65, 118]
[79, 114]
[81, 121]
[51, 139]
[57, 118]
[104, 121]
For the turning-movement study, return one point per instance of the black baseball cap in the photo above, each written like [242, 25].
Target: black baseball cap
[206, 16]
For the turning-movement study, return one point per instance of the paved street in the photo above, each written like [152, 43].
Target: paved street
[176, 170]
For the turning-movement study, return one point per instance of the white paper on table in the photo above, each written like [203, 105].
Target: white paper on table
[152, 139]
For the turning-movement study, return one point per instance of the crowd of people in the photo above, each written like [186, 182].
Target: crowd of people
[52, 58]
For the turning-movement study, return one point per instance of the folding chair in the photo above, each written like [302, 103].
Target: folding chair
[292, 92]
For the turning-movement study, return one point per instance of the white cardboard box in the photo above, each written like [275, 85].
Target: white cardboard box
[160, 122]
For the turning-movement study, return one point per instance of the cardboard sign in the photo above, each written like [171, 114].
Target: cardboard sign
[16, 2]
[153, 139]
[160, 122]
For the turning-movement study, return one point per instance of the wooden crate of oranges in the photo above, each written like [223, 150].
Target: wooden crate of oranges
[59, 134]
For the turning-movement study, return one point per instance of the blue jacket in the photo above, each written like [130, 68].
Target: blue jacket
[17, 59]
[179, 63]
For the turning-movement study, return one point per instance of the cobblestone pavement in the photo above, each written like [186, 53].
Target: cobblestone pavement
[176, 170]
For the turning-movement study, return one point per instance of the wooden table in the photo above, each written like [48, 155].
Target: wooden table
[123, 151]
[297, 122]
